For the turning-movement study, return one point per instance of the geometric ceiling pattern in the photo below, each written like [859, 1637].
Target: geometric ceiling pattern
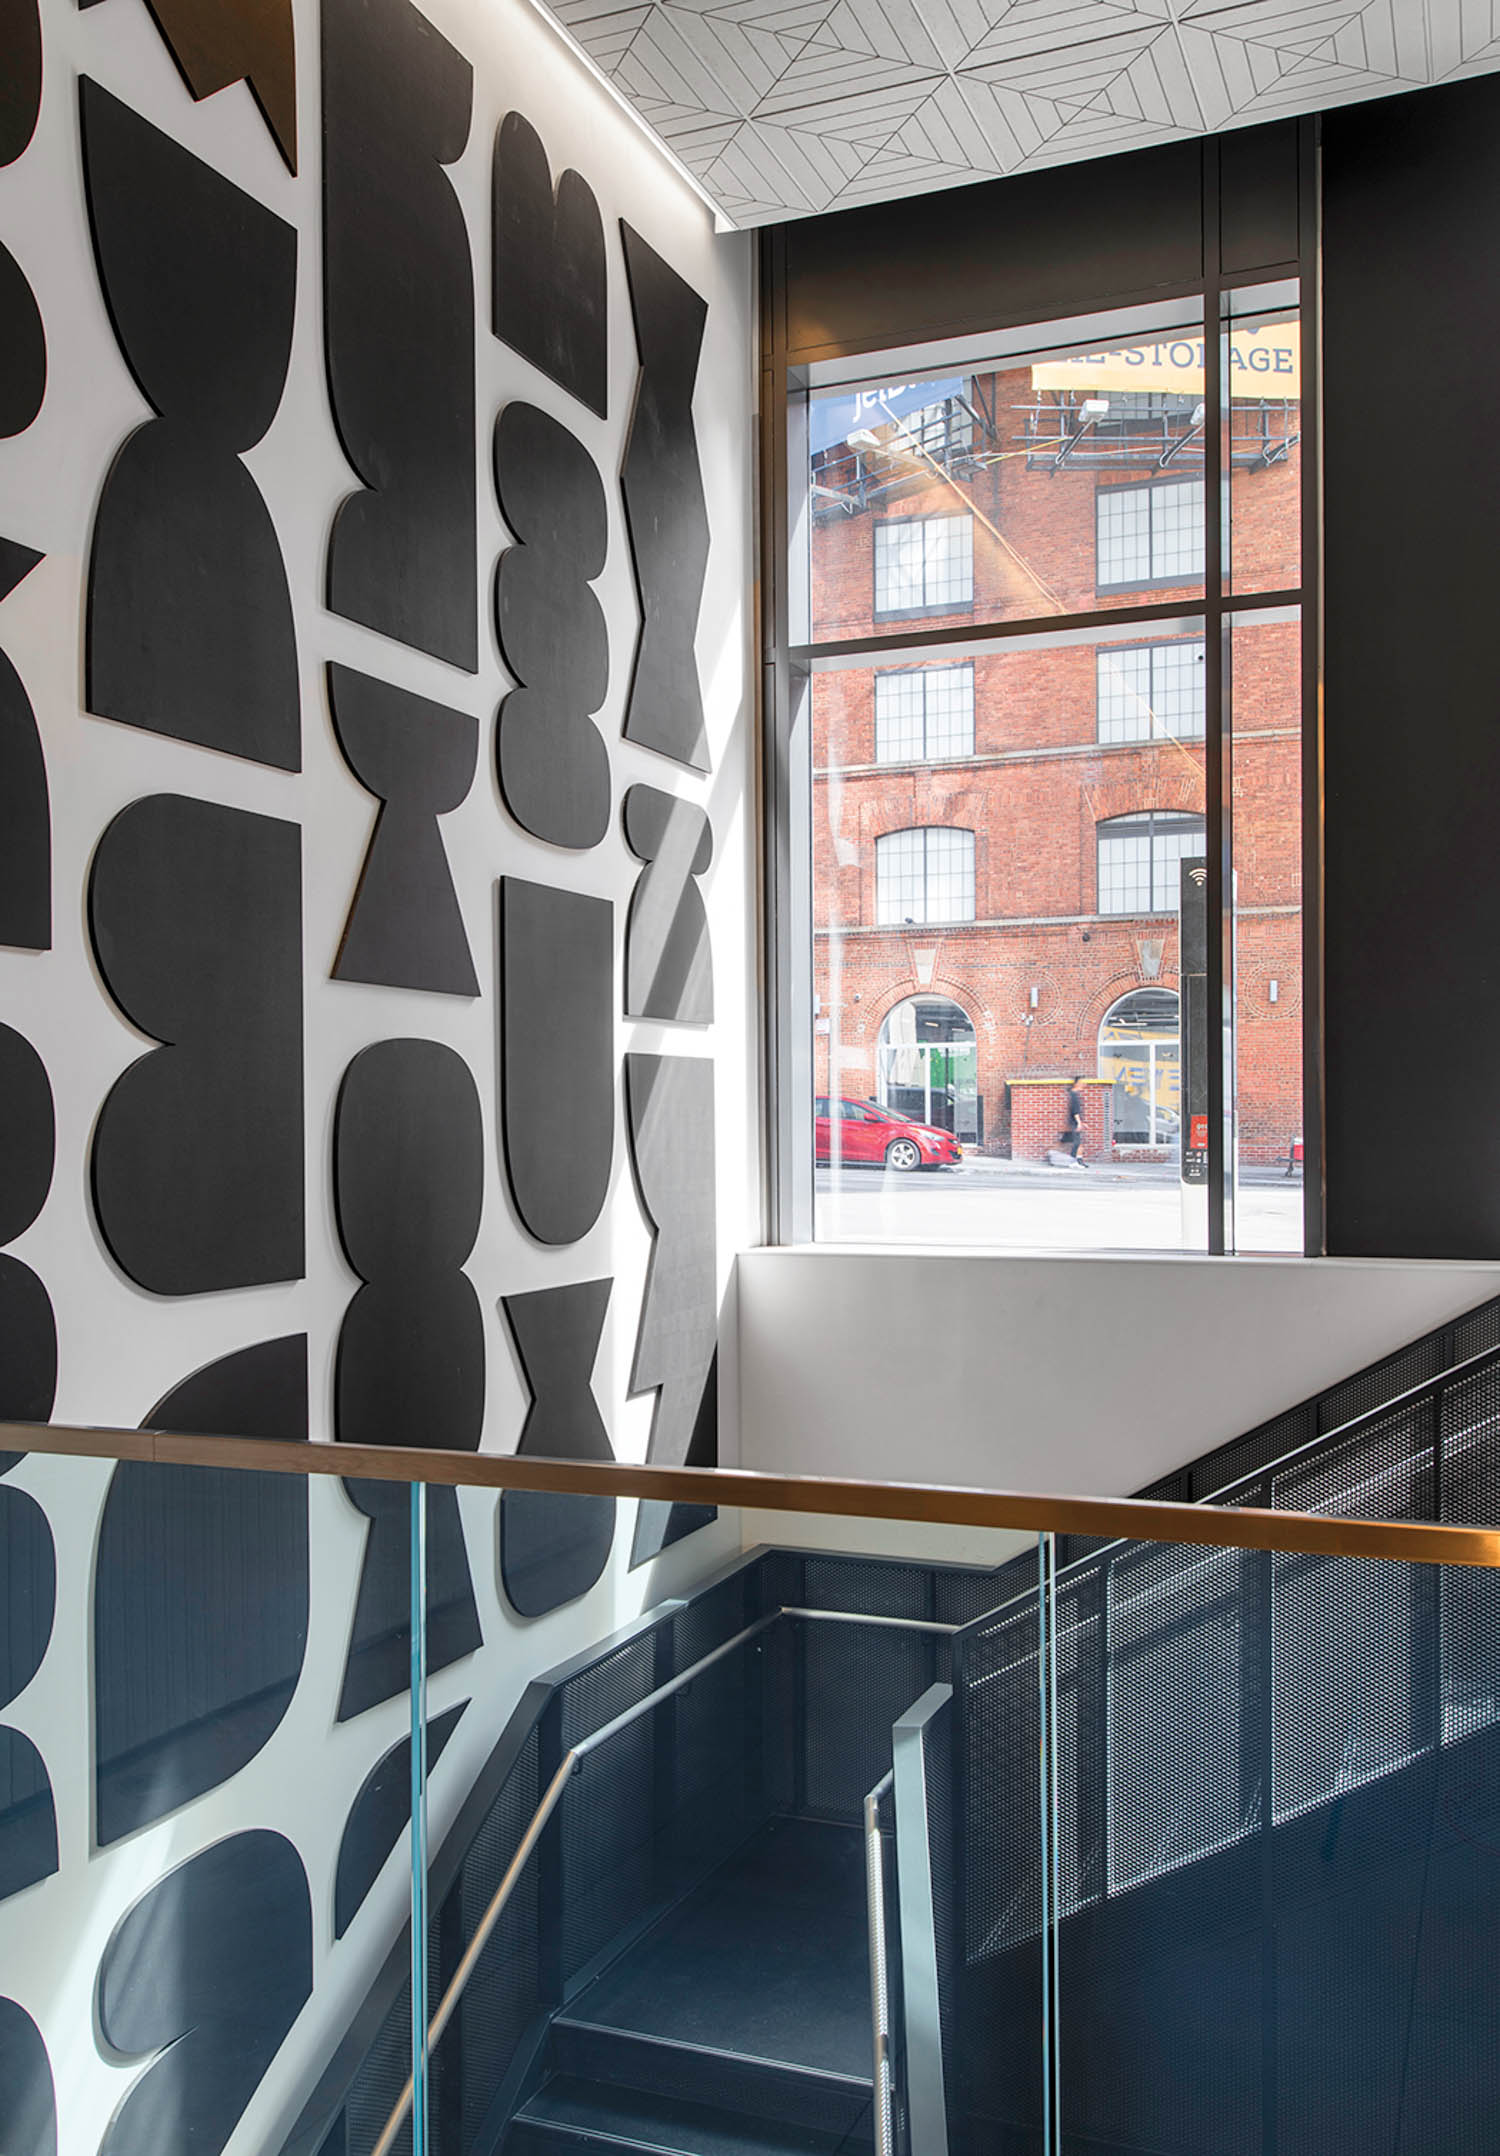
[783, 108]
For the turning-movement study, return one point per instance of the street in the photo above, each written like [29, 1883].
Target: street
[1031, 1206]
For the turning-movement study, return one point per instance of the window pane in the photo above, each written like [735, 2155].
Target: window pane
[1266, 837]
[1265, 453]
[1028, 488]
[927, 712]
[1152, 692]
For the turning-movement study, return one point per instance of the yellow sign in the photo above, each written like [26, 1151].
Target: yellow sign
[1263, 362]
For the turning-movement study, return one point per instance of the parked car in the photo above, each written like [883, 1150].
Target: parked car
[876, 1137]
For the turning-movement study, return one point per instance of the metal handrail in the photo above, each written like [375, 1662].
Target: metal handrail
[880, 1990]
[934, 1504]
[571, 1761]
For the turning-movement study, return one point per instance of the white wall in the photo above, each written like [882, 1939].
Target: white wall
[120, 1348]
[1079, 1376]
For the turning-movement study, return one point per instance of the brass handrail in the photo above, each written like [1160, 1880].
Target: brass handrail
[931, 1504]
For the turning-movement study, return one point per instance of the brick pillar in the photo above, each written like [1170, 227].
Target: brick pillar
[1039, 1109]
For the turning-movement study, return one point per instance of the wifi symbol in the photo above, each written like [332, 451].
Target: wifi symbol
[1198, 875]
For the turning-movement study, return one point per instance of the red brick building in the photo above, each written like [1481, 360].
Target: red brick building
[997, 838]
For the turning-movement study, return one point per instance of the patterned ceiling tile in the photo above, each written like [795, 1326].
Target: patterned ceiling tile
[783, 108]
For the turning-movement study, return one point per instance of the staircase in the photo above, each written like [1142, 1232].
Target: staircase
[739, 2025]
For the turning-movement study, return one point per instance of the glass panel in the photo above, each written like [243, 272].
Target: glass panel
[1053, 484]
[996, 956]
[1264, 359]
[1266, 700]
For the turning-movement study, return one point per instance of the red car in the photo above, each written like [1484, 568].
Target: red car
[875, 1137]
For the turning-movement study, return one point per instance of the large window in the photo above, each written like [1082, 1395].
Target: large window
[1151, 692]
[924, 876]
[924, 565]
[1139, 857]
[1151, 534]
[924, 714]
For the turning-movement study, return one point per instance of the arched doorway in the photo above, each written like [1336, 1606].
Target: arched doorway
[927, 1065]
[1140, 1052]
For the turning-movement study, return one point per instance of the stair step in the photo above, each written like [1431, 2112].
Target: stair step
[569, 2114]
[798, 2096]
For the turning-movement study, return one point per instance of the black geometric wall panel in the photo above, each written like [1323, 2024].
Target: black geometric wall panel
[210, 1969]
[665, 509]
[29, 1583]
[28, 1816]
[668, 959]
[398, 287]
[189, 629]
[28, 2105]
[554, 1547]
[217, 42]
[20, 76]
[405, 929]
[379, 1816]
[408, 1186]
[200, 1595]
[28, 1330]
[550, 274]
[670, 1116]
[16, 562]
[25, 822]
[557, 1055]
[554, 767]
[23, 349]
[196, 917]
[28, 1595]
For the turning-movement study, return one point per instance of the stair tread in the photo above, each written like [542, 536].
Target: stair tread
[584, 2025]
[668, 2123]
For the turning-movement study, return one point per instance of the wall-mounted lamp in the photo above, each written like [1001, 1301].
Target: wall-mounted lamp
[1273, 991]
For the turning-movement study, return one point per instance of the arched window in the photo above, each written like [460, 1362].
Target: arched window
[1139, 856]
[1140, 1053]
[927, 1065]
[924, 876]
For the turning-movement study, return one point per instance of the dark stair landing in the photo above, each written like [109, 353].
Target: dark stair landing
[738, 2026]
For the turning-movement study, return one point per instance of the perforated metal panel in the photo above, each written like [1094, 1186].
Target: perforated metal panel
[504, 1992]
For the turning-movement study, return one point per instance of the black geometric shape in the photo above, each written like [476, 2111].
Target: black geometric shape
[217, 42]
[408, 1186]
[189, 626]
[25, 822]
[669, 970]
[20, 76]
[670, 1111]
[557, 1111]
[23, 349]
[190, 1684]
[378, 1662]
[28, 1570]
[378, 1818]
[28, 1818]
[551, 294]
[28, 1135]
[16, 562]
[28, 2103]
[210, 1969]
[554, 766]
[405, 928]
[28, 1349]
[398, 286]
[554, 1547]
[196, 916]
[665, 509]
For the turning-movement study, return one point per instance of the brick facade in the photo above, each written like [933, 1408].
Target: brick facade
[1040, 966]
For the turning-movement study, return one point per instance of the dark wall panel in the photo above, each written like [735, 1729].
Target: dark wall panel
[23, 349]
[398, 284]
[196, 917]
[557, 1105]
[20, 75]
[1412, 749]
[28, 2106]
[668, 957]
[1006, 251]
[209, 1970]
[217, 42]
[189, 626]
[379, 1816]
[551, 289]
[554, 1546]
[28, 1330]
